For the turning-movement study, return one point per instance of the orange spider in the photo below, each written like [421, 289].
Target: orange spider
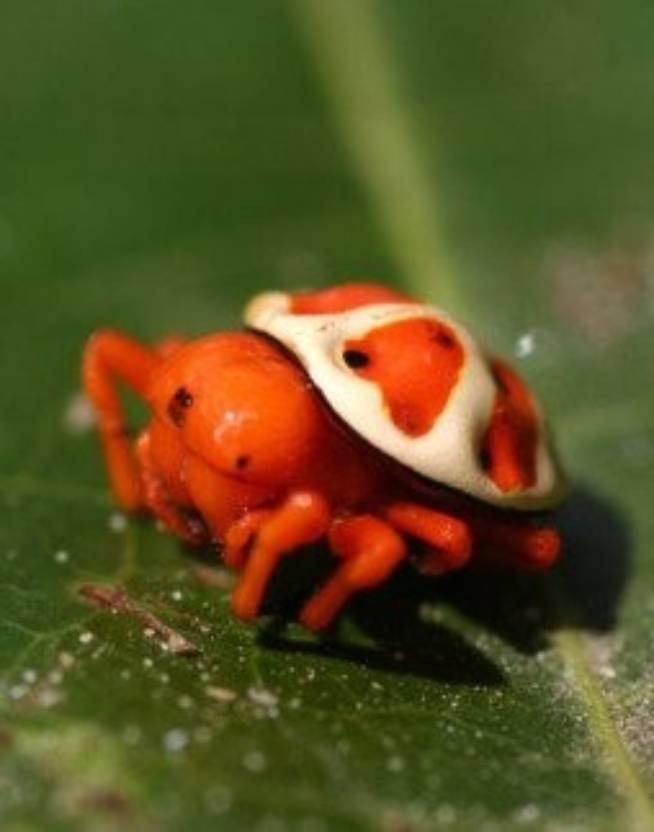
[354, 413]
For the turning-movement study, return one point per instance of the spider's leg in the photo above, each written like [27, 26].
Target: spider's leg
[109, 357]
[302, 518]
[168, 346]
[449, 538]
[158, 501]
[516, 542]
[371, 551]
[240, 536]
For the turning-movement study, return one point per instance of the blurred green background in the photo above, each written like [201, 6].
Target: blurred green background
[160, 162]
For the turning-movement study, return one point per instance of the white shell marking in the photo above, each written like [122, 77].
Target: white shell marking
[449, 452]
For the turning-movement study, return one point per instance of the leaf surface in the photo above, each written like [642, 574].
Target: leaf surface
[162, 163]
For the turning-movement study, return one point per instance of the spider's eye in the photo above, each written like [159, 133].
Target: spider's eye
[183, 397]
[355, 359]
[180, 402]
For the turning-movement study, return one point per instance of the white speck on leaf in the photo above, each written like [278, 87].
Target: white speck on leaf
[395, 763]
[117, 522]
[254, 761]
[79, 415]
[446, 814]
[176, 643]
[66, 660]
[525, 345]
[220, 694]
[175, 740]
[17, 692]
[218, 799]
[49, 697]
[528, 813]
[263, 697]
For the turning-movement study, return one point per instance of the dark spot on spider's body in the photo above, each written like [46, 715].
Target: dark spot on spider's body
[180, 402]
[444, 339]
[242, 462]
[355, 359]
[485, 459]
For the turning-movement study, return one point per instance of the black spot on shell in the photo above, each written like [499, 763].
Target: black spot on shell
[355, 359]
[444, 339]
[485, 459]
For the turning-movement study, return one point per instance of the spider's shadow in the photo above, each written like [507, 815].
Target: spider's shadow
[517, 607]
[393, 637]
[589, 581]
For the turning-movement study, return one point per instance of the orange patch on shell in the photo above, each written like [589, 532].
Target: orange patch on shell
[509, 447]
[416, 363]
[344, 297]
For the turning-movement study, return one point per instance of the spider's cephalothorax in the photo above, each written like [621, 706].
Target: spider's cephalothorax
[354, 413]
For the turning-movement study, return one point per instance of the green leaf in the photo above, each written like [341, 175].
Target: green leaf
[162, 162]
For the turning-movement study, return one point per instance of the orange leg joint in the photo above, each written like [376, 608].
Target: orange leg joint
[371, 551]
[448, 536]
[303, 518]
[240, 536]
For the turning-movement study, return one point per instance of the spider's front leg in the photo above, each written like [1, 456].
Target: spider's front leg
[159, 501]
[302, 518]
[109, 357]
[370, 549]
[240, 536]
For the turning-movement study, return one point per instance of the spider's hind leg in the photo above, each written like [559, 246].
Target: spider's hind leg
[449, 538]
[516, 542]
